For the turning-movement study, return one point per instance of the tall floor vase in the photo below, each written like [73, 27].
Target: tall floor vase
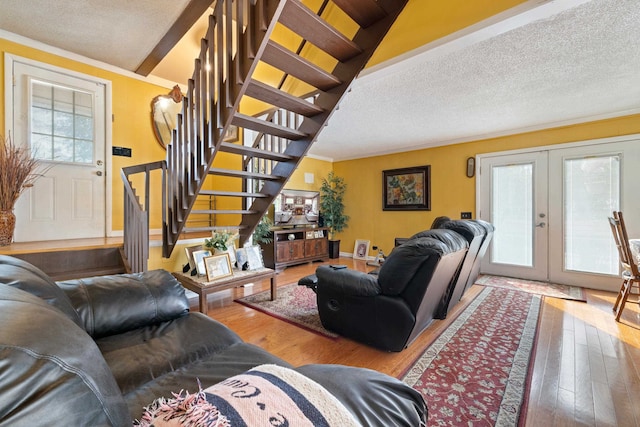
[7, 225]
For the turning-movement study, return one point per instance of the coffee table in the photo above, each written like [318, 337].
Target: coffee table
[201, 286]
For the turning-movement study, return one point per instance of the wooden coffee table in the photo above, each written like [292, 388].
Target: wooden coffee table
[203, 287]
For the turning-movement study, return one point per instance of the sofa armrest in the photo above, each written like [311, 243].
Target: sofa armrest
[110, 305]
[346, 282]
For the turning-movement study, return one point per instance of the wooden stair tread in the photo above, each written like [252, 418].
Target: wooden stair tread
[87, 272]
[254, 152]
[211, 228]
[364, 12]
[231, 193]
[243, 174]
[248, 122]
[223, 211]
[304, 22]
[279, 98]
[294, 65]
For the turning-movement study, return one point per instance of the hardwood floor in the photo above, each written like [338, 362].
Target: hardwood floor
[586, 366]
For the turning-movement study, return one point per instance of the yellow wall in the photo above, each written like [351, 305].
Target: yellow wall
[423, 21]
[131, 110]
[451, 191]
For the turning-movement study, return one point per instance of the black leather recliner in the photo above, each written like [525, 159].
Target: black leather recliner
[474, 234]
[388, 310]
[475, 271]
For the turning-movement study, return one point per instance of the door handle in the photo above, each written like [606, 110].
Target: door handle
[541, 225]
[99, 173]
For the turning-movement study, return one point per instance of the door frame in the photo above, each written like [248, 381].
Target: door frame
[625, 190]
[9, 60]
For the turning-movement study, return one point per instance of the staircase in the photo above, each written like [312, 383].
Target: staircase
[239, 43]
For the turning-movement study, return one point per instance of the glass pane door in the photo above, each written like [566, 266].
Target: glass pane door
[514, 199]
[512, 214]
[591, 194]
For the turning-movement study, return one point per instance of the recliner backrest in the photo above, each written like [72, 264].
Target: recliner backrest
[402, 264]
[474, 235]
[20, 274]
[52, 371]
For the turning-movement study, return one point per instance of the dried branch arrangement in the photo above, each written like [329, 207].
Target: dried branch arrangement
[17, 172]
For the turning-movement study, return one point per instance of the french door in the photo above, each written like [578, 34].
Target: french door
[550, 211]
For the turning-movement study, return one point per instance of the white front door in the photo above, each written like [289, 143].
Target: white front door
[61, 119]
[550, 210]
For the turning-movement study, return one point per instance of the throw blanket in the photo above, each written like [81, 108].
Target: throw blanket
[267, 395]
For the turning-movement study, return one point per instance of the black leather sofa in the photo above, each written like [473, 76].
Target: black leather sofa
[94, 352]
[391, 307]
[478, 234]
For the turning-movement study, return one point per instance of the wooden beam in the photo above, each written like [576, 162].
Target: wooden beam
[187, 19]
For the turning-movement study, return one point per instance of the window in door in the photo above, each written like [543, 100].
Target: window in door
[591, 193]
[62, 125]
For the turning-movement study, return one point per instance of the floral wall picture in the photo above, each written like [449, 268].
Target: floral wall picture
[407, 189]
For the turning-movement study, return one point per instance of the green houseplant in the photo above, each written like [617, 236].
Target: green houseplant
[332, 193]
[262, 233]
[17, 172]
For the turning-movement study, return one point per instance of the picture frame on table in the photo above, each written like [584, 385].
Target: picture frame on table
[254, 257]
[198, 259]
[241, 258]
[361, 249]
[218, 266]
[189, 252]
[407, 189]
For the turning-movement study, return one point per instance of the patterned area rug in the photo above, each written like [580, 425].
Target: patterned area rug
[476, 371]
[295, 304]
[534, 287]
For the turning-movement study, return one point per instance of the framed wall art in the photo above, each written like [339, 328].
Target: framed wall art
[407, 189]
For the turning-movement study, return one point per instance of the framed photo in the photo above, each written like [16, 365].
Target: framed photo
[231, 135]
[407, 189]
[241, 258]
[218, 266]
[254, 257]
[198, 259]
[361, 249]
[310, 234]
[189, 252]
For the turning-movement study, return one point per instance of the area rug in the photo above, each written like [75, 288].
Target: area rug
[476, 371]
[294, 304]
[553, 290]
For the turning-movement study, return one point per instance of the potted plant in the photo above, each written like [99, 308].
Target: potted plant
[332, 209]
[220, 241]
[262, 233]
[17, 172]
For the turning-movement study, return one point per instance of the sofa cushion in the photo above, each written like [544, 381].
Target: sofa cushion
[51, 371]
[111, 305]
[22, 275]
[163, 348]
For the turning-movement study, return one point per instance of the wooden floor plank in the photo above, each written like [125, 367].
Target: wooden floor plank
[586, 366]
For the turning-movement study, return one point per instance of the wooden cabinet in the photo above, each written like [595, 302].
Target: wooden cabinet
[296, 246]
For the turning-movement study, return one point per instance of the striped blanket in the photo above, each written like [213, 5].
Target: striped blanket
[267, 395]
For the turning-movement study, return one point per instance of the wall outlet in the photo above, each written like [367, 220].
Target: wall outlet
[465, 215]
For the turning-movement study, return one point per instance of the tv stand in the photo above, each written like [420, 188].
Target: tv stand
[296, 246]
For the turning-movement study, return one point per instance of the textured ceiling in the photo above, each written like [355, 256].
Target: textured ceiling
[117, 32]
[579, 64]
[554, 62]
